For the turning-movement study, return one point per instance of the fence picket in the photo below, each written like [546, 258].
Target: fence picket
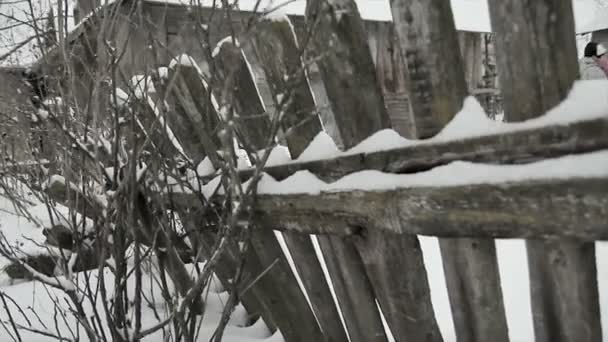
[537, 66]
[277, 49]
[437, 89]
[308, 266]
[236, 79]
[395, 267]
[359, 109]
[353, 290]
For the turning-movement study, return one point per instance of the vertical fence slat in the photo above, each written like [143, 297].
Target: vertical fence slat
[392, 76]
[537, 64]
[277, 49]
[471, 273]
[430, 46]
[563, 287]
[437, 89]
[536, 54]
[353, 290]
[396, 269]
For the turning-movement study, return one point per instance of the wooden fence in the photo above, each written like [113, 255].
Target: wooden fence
[369, 238]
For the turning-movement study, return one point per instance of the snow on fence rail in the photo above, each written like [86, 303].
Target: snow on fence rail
[544, 180]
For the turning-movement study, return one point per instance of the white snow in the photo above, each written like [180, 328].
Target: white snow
[122, 98]
[586, 101]
[457, 173]
[321, 147]
[163, 72]
[205, 168]
[141, 86]
[278, 155]
[225, 40]
[184, 60]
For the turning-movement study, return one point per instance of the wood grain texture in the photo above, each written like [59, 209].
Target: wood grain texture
[353, 290]
[393, 77]
[395, 267]
[310, 271]
[475, 297]
[564, 290]
[529, 209]
[347, 69]
[291, 312]
[429, 42]
[239, 87]
[277, 49]
[537, 59]
[537, 67]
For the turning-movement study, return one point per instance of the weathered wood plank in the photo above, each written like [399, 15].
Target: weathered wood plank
[437, 90]
[436, 75]
[277, 49]
[528, 209]
[470, 47]
[537, 58]
[236, 81]
[475, 300]
[353, 290]
[392, 76]
[399, 278]
[308, 266]
[537, 67]
[198, 110]
[563, 283]
[291, 312]
[176, 117]
[506, 148]
[347, 69]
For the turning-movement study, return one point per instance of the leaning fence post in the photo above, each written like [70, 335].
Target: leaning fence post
[438, 88]
[253, 122]
[537, 66]
[276, 47]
